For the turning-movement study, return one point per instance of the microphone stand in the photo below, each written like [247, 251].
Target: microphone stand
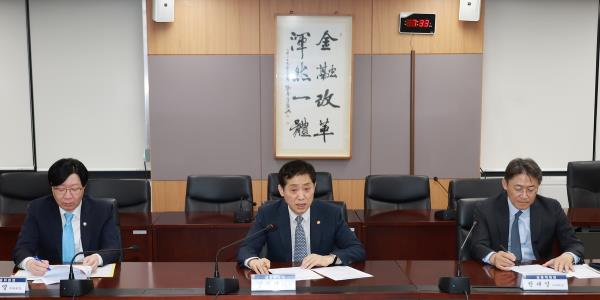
[78, 287]
[458, 284]
[221, 286]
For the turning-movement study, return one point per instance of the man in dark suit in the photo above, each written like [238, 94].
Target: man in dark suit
[519, 225]
[59, 225]
[311, 233]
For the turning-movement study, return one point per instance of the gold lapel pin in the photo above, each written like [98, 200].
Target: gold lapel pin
[318, 222]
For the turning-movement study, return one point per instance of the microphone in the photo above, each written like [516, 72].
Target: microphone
[458, 284]
[242, 215]
[78, 287]
[222, 286]
[448, 213]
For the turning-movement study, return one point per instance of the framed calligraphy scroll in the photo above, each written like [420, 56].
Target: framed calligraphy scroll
[313, 87]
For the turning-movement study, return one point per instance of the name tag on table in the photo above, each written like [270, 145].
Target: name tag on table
[272, 282]
[544, 283]
[13, 285]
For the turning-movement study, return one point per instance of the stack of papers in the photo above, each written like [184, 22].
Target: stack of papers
[580, 271]
[335, 273]
[60, 272]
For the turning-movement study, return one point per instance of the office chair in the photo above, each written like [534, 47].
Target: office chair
[391, 192]
[19, 188]
[473, 188]
[583, 184]
[219, 193]
[132, 195]
[465, 208]
[323, 191]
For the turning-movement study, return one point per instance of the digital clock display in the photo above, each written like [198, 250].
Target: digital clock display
[417, 23]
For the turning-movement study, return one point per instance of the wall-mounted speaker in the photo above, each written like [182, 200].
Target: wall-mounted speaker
[163, 10]
[469, 10]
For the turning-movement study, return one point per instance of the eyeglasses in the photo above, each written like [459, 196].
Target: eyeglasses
[521, 189]
[61, 191]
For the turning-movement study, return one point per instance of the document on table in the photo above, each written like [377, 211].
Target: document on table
[59, 272]
[341, 273]
[580, 271]
[300, 273]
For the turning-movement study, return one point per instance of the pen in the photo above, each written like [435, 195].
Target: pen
[517, 262]
[38, 259]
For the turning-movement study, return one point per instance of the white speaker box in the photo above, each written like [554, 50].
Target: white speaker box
[469, 10]
[163, 10]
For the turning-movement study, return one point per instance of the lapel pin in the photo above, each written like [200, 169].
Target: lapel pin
[318, 222]
[84, 223]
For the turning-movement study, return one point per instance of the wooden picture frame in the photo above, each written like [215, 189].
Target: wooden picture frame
[313, 87]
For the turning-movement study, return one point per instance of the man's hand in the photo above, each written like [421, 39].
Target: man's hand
[563, 263]
[503, 260]
[91, 261]
[260, 265]
[37, 267]
[316, 260]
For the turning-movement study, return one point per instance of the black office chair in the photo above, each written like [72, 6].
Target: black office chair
[19, 188]
[464, 222]
[115, 205]
[391, 192]
[323, 191]
[219, 193]
[133, 195]
[472, 188]
[583, 184]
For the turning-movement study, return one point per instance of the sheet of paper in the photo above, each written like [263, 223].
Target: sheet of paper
[341, 273]
[58, 272]
[535, 270]
[301, 274]
[584, 272]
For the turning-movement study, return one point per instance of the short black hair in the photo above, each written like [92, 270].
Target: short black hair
[63, 168]
[296, 167]
[519, 166]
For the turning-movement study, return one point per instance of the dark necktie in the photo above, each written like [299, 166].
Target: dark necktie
[515, 237]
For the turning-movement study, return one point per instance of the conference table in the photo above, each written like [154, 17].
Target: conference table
[393, 279]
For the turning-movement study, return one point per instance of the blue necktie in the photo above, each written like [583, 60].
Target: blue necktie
[300, 250]
[68, 240]
[515, 237]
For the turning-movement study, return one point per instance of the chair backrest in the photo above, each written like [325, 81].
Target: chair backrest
[19, 188]
[473, 188]
[113, 201]
[323, 191]
[397, 192]
[132, 195]
[583, 184]
[464, 222]
[218, 193]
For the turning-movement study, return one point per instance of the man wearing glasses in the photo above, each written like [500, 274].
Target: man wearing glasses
[520, 225]
[59, 225]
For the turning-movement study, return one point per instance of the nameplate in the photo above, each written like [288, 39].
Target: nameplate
[140, 231]
[13, 285]
[272, 282]
[544, 283]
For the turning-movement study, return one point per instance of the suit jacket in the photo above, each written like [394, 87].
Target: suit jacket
[41, 234]
[329, 233]
[547, 223]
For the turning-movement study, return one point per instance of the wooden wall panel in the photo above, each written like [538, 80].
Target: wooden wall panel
[451, 35]
[206, 27]
[360, 10]
[170, 195]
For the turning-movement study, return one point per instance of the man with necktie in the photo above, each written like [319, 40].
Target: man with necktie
[310, 233]
[59, 225]
[520, 225]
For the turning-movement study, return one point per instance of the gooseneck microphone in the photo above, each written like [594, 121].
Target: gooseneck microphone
[448, 213]
[458, 284]
[78, 287]
[221, 286]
